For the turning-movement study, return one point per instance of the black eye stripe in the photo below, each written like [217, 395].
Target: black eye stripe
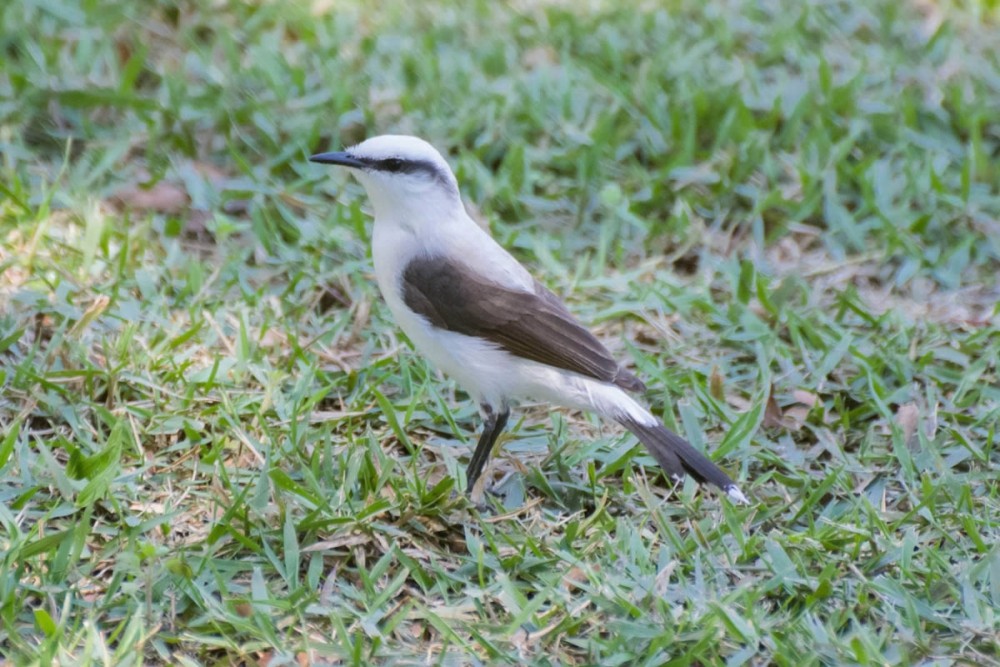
[397, 165]
[401, 165]
[393, 164]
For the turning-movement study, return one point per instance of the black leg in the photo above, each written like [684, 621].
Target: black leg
[492, 428]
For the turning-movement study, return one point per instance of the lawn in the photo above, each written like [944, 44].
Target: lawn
[216, 448]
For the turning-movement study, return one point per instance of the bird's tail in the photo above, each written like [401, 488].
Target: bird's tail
[676, 456]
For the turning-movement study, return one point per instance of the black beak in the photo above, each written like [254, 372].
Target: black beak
[341, 158]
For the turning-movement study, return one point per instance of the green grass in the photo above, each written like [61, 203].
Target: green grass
[217, 449]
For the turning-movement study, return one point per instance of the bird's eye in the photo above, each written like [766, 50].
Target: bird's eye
[392, 164]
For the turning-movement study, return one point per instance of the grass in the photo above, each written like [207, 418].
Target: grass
[216, 448]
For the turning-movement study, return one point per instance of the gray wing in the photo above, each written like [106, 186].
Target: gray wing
[533, 325]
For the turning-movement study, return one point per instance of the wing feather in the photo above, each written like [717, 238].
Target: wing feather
[533, 325]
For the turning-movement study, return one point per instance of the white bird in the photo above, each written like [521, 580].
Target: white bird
[478, 315]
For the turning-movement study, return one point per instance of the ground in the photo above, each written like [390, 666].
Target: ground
[217, 449]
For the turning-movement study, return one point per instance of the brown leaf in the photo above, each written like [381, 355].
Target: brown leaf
[772, 412]
[795, 417]
[715, 384]
[348, 540]
[574, 578]
[908, 418]
[163, 197]
[805, 397]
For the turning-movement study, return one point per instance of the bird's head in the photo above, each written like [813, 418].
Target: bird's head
[402, 175]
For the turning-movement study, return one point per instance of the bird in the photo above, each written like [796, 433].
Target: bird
[478, 315]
